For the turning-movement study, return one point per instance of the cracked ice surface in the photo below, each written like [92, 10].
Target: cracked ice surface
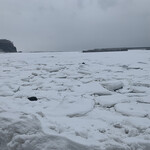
[92, 101]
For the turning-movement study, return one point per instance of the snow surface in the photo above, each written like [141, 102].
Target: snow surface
[86, 101]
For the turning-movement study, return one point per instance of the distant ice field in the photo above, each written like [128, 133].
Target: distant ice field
[85, 101]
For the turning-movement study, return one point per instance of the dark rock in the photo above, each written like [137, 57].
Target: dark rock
[33, 98]
[7, 46]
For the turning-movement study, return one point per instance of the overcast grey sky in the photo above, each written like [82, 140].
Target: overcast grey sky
[56, 25]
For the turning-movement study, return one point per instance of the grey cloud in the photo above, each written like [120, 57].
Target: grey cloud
[104, 4]
[75, 24]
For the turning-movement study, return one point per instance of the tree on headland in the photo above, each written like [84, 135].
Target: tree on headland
[7, 46]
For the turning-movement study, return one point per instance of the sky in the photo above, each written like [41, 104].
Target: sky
[75, 25]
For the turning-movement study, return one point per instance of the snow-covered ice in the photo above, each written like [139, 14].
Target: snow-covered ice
[86, 101]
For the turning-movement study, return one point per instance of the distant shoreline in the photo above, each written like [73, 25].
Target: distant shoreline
[122, 49]
[116, 49]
